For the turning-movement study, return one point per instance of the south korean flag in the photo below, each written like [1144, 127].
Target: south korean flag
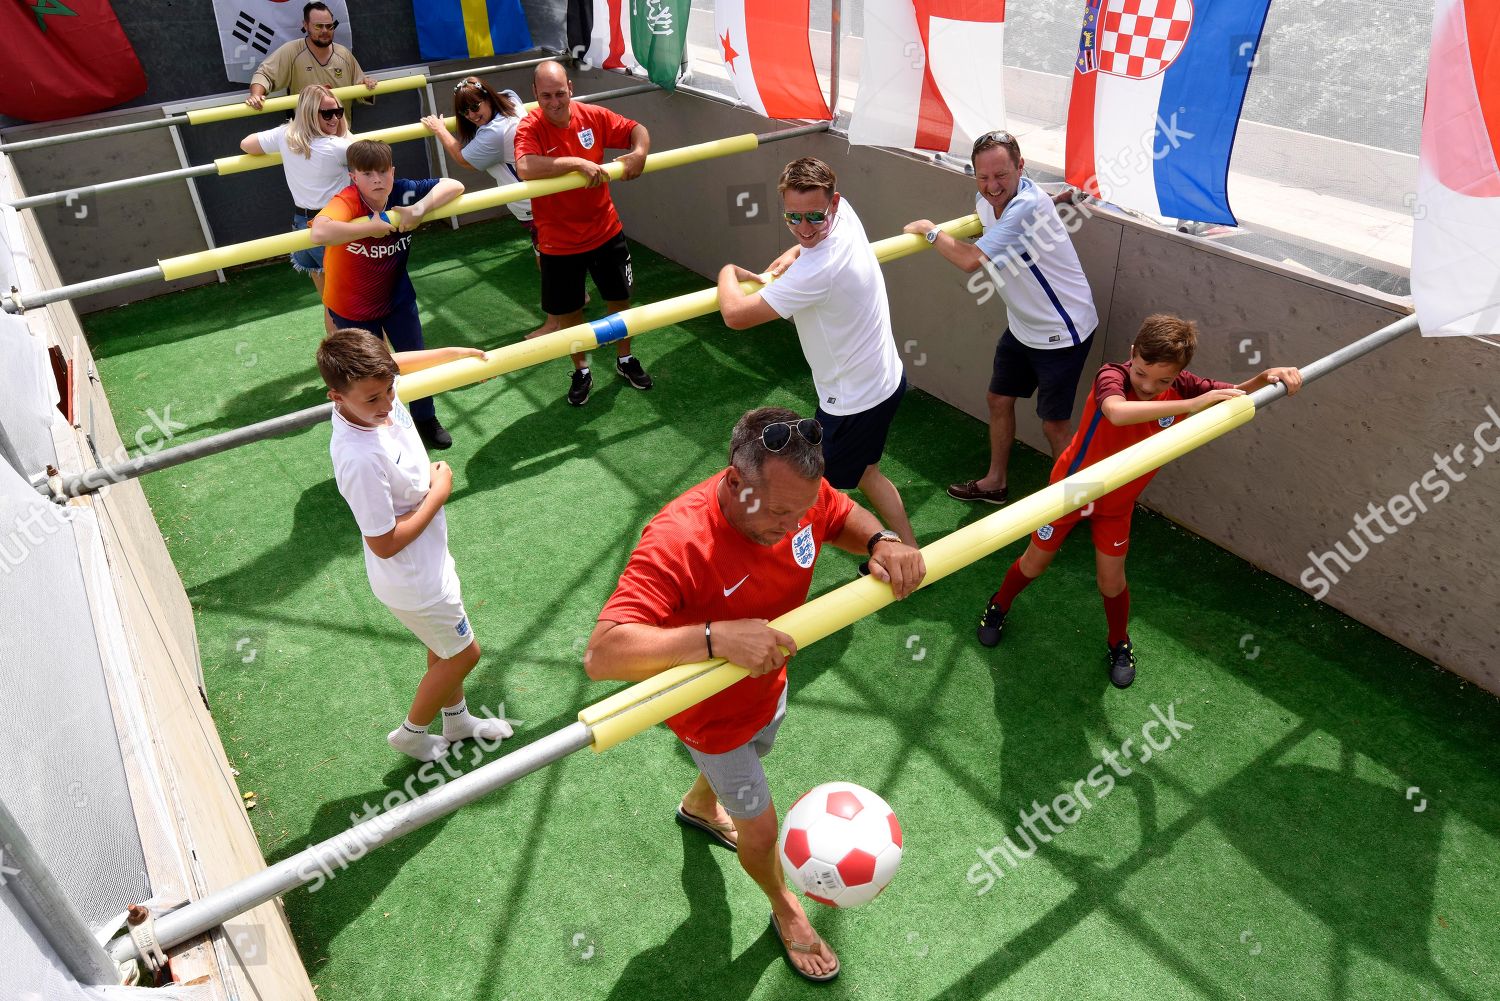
[250, 30]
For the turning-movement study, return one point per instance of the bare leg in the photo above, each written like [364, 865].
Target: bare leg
[1058, 433]
[701, 802]
[1035, 561]
[561, 322]
[444, 677]
[1002, 437]
[623, 347]
[317, 280]
[759, 858]
[886, 500]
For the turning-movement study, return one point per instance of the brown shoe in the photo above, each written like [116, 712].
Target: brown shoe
[969, 490]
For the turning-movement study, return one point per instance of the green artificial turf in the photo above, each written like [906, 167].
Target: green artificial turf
[1270, 852]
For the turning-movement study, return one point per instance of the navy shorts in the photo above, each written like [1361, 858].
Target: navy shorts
[1021, 370]
[562, 276]
[854, 442]
[403, 327]
[312, 258]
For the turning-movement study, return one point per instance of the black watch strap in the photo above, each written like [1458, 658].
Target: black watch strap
[885, 534]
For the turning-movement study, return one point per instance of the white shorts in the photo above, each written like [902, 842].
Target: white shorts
[443, 626]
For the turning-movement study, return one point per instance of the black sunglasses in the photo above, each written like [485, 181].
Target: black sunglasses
[775, 436]
[329, 114]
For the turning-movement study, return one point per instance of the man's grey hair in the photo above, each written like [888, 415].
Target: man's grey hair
[748, 454]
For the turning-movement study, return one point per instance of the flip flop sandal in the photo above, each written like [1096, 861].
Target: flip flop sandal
[789, 946]
[719, 832]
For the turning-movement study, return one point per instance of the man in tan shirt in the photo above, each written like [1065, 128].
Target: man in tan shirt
[314, 59]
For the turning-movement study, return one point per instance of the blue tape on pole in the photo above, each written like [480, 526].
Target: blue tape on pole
[610, 328]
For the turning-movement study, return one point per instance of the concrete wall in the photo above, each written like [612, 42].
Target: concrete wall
[1287, 486]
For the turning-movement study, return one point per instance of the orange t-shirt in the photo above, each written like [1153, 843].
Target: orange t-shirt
[693, 566]
[576, 221]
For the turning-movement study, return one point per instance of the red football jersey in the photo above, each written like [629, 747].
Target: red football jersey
[571, 222]
[693, 566]
[1096, 437]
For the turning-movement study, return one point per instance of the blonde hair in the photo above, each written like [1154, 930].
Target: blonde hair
[807, 174]
[304, 126]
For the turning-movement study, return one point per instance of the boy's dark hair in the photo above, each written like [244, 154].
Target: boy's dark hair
[1164, 337]
[349, 355]
[807, 174]
[370, 154]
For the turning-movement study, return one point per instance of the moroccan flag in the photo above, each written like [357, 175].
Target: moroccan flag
[1455, 254]
[766, 51]
[470, 29]
[932, 74]
[1157, 90]
[63, 59]
[658, 34]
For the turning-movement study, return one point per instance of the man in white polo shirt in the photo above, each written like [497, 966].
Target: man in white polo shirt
[1029, 257]
[831, 287]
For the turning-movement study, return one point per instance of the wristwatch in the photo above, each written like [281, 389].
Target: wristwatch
[884, 535]
[932, 234]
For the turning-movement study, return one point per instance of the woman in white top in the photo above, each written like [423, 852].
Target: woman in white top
[487, 122]
[312, 147]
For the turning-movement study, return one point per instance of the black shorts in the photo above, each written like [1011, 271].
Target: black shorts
[1020, 370]
[562, 276]
[854, 442]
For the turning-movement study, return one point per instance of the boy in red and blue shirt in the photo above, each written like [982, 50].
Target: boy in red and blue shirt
[367, 228]
[1130, 402]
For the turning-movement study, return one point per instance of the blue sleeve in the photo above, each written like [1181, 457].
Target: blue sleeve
[406, 192]
[487, 148]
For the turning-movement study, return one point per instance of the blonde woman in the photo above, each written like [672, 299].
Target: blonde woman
[312, 147]
[487, 122]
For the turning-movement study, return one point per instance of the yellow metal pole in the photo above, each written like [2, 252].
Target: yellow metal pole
[395, 134]
[631, 322]
[228, 112]
[649, 702]
[284, 243]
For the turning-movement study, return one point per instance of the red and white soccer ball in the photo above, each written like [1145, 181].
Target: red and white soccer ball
[840, 844]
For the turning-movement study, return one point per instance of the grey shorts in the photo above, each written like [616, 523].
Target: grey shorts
[737, 778]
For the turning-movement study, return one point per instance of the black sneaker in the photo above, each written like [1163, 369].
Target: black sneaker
[990, 624]
[583, 383]
[632, 372]
[1121, 662]
[433, 434]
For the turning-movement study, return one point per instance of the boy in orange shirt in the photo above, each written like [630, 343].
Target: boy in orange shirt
[1130, 402]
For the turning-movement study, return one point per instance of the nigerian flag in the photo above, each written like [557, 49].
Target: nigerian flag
[658, 34]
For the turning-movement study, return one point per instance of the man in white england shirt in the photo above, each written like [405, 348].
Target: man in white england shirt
[830, 286]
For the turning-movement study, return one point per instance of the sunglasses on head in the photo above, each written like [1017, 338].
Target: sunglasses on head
[775, 436]
[329, 114]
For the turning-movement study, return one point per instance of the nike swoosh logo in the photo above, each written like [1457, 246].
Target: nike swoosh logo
[1119, 544]
[730, 590]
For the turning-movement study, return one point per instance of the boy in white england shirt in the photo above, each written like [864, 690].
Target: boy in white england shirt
[397, 499]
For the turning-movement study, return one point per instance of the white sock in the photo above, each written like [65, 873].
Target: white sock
[626, 358]
[584, 370]
[409, 738]
[458, 725]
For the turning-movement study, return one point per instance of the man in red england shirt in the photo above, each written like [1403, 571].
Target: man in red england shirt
[711, 568]
[1130, 403]
[579, 231]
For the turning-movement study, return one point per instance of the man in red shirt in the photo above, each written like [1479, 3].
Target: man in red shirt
[711, 568]
[579, 231]
[1129, 404]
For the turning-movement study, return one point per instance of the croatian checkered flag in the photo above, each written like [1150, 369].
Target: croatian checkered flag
[250, 30]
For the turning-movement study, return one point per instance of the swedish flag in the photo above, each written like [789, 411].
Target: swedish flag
[468, 29]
